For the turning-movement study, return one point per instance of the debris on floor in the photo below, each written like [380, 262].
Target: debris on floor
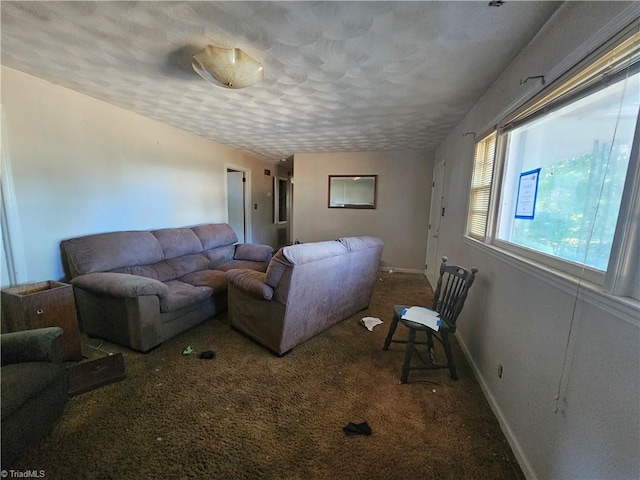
[370, 322]
[357, 428]
[188, 350]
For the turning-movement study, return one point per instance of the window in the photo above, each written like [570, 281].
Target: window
[567, 160]
[483, 160]
[582, 151]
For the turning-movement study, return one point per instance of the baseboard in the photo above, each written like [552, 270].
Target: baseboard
[519, 453]
[400, 270]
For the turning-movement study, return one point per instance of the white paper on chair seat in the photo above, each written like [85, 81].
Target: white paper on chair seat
[423, 316]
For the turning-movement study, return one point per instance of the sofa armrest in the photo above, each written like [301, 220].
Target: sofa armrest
[253, 252]
[120, 285]
[38, 345]
[250, 282]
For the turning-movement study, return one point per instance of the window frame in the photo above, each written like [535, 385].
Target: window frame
[481, 161]
[621, 278]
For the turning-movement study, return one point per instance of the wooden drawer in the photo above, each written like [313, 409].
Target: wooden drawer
[44, 304]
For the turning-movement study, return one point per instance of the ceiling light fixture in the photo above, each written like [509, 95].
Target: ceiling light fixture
[227, 67]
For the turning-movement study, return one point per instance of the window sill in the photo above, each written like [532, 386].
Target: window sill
[626, 308]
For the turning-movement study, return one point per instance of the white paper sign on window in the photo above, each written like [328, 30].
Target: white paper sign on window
[527, 194]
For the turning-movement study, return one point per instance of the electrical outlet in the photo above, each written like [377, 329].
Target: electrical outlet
[499, 370]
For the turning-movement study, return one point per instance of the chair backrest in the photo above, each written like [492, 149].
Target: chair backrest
[451, 291]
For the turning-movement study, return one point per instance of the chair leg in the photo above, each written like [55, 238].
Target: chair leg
[448, 352]
[392, 329]
[408, 354]
[429, 339]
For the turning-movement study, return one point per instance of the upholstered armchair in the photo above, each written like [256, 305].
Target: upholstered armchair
[34, 388]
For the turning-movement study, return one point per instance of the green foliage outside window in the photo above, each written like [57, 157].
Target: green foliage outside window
[577, 207]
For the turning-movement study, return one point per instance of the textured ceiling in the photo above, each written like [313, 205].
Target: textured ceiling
[339, 76]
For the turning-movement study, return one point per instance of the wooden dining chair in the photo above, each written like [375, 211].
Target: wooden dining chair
[453, 285]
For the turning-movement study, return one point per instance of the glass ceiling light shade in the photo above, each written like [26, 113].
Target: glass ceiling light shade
[226, 67]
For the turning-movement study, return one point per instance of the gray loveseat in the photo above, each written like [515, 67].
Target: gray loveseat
[140, 288]
[306, 289]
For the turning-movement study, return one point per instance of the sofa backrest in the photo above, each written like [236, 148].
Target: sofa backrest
[177, 242]
[162, 254]
[322, 283]
[332, 269]
[214, 235]
[107, 251]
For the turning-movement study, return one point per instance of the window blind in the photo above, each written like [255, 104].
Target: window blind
[483, 160]
[616, 61]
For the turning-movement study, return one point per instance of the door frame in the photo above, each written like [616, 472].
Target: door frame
[431, 270]
[248, 234]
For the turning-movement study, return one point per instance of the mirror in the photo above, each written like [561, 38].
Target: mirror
[352, 191]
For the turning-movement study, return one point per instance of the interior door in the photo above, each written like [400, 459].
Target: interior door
[235, 203]
[435, 215]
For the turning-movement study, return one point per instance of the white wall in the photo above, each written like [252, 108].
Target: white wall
[82, 166]
[534, 322]
[400, 219]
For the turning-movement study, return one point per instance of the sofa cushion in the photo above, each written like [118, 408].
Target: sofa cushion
[220, 255]
[158, 271]
[207, 278]
[176, 242]
[253, 252]
[182, 294]
[107, 251]
[215, 235]
[21, 381]
[236, 264]
[189, 263]
[145, 271]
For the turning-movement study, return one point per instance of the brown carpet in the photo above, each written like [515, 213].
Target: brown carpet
[248, 414]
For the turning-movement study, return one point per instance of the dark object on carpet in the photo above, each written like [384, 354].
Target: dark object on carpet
[357, 428]
[86, 376]
[208, 354]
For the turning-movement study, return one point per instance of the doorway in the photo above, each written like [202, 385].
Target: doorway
[435, 216]
[237, 202]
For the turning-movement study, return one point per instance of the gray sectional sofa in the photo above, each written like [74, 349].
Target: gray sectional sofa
[306, 289]
[140, 288]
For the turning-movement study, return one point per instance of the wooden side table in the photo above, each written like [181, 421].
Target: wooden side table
[44, 304]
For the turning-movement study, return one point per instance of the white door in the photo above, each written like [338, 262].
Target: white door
[235, 203]
[435, 215]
